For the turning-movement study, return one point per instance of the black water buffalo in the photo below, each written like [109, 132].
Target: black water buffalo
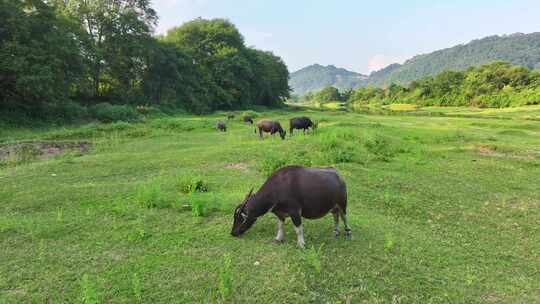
[221, 126]
[295, 192]
[301, 122]
[248, 119]
[270, 126]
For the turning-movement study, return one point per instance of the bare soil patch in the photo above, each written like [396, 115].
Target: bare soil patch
[238, 166]
[39, 150]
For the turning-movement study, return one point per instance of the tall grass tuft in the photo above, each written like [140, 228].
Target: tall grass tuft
[151, 195]
[136, 287]
[190, 183]
[225, 277]
[88, 291]
[312, 257]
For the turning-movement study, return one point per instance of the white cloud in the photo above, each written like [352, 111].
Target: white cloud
[380, 61]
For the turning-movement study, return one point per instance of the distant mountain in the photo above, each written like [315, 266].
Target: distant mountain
[519, 49]
[316, 77]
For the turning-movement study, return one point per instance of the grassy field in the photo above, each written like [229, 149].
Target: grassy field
[443, 210]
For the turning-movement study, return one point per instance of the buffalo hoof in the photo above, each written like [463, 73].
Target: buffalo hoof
[348, 234]
[336, 233]
[278, 241]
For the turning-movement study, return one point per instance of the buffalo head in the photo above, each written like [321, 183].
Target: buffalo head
[242, 219]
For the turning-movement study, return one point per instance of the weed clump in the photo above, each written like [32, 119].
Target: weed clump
[340, 146]
[151, 195]
[270, 164]
[225, 277]
[381, 146]
[88, 291]
[312, 258]
[192, 183]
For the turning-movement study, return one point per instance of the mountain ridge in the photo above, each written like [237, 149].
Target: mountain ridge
[517, 48]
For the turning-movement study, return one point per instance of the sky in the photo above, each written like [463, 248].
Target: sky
[361, 35]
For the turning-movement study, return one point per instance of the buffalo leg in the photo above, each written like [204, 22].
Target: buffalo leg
[280, 234]
[260, 133]
[299, 229]
[348, 231]
[335, 213]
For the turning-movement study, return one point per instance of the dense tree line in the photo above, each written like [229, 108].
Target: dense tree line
[498, 84]
[73, 54]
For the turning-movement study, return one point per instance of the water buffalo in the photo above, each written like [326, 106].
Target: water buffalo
[295, 192]
[270, 126]
[301, 122]
[230, 116]
[221, 126]
[248, 119]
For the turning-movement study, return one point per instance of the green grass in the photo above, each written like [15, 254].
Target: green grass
[443, 210]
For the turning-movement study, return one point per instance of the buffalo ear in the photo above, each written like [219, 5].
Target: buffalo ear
[249, 194]
[247, 198]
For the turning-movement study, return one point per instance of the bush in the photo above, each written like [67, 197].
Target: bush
[106, 112]
[381, 147]
[192, 183]
[67, 111]
[253, 114]
[270, 164]
[339, 146]
[151, 195]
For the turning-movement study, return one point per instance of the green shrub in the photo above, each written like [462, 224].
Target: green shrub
[66, 112]
[88, 291]
[339, 146]
[191, 183]
[381, 146]
[225, 277]
[106, 112]
[253, 114]
[151, 195]
[312, 257]
[270, 164]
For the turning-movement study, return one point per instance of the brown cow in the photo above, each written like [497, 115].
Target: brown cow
[270, 126]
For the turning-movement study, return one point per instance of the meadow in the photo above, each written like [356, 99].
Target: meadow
[444, 205]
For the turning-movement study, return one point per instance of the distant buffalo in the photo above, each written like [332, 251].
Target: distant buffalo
[221, 126]
[301, 122]
[270, 126]
[296, 192]
[230, 116]
[248, 119]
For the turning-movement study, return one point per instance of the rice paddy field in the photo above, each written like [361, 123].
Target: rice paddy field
[444, 205]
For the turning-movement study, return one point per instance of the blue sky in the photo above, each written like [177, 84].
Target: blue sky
[358, 35]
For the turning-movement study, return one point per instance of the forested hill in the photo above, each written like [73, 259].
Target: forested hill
[316, 77]
[518, 49]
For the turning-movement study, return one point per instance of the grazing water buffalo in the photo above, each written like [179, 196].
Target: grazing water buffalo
[248, 119]
[301, 122]
[295, 192]
[270, 126]
[221, 126]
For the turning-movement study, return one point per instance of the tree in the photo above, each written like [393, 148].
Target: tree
[39, 58]
[328, 94]
[114, 35]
